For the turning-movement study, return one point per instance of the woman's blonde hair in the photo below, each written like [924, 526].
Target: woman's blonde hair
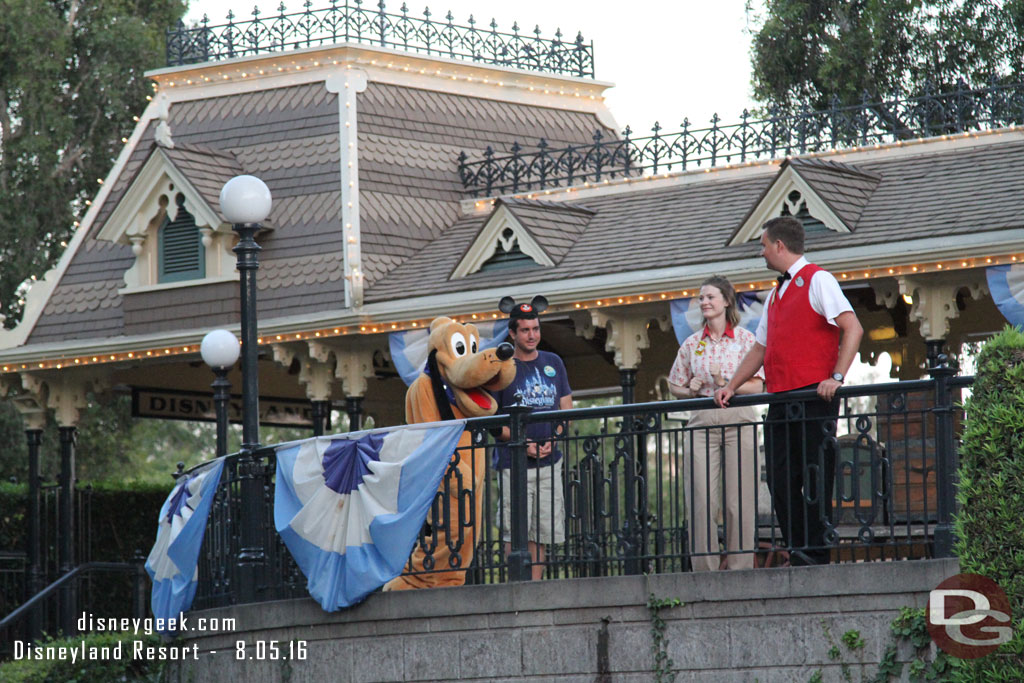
[732, 311]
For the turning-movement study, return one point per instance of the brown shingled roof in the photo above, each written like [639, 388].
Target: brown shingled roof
[207, 169]
[409, 144]
[945, 192]
[844, 188]
[555, 225]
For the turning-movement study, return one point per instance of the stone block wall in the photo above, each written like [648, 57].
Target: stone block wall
[766, 625]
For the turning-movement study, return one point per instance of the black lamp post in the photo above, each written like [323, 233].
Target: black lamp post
[220, 351]
[245, 201]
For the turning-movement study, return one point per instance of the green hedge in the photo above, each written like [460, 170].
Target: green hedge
[101, 670]
[123, 520]
[990, 520]
[123, 517]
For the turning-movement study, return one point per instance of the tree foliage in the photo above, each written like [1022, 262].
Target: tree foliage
[110, 445]
[71, 81]
[811, 51]
[989, 534]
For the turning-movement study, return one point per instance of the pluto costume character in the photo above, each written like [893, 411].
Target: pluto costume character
[454, 385]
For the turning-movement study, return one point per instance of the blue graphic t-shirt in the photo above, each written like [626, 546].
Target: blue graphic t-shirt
[541, 384]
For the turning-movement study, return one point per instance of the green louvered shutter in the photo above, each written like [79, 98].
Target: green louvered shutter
[182, 256]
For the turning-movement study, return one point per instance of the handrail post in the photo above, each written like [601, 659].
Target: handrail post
[66, 549]
[946, 465]
[139, 577]
[519, 558]
[320, 411]
[35, 577]
[634, 507]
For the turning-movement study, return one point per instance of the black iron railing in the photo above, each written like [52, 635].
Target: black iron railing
[92, 587]
[40, 615]
[627, 501]
[352, 22]
[13, 580]
[527, 167]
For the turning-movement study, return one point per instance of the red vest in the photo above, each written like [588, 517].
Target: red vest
[802, 346]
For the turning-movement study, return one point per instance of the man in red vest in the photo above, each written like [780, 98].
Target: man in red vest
[807, 339]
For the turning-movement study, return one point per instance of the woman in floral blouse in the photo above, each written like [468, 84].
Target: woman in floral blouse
[721, 447]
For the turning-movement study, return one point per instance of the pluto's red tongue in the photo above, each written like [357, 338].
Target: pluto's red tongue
[479, 398]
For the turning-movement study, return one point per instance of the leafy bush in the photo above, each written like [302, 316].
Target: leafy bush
[123, 517]
[990, 533]
[100, 670]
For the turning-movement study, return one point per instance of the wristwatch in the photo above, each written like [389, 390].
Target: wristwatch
[838, 376]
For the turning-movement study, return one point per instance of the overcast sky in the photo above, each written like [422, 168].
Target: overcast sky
[669, 60]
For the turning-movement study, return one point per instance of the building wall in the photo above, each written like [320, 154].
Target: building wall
[763, 624]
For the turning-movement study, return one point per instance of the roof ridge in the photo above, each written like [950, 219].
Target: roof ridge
[571, 207]
[829, 164]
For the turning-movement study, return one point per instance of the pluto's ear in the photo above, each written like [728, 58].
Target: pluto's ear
[539, 303]
[438, 322]
[506, 304]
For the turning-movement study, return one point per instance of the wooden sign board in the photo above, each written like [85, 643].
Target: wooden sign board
[171, 404]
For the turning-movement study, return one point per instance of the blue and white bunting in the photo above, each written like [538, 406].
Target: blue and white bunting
[409, 349]
[350, 507]
[1006, 284]
[173, 564]
[687, 318]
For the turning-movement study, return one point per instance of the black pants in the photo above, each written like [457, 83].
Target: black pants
[801, 459]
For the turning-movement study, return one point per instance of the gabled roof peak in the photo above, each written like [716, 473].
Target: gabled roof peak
[824, 192]
[544, 231]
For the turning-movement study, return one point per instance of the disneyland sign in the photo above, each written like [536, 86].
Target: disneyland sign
[170, 404]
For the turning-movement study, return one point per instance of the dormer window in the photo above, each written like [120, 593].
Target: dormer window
[826, 196]
[524, 234]
[507, 254]
[182, 254]
[797, 207]
[172, 223]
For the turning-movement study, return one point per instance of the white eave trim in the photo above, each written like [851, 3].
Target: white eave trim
[125, 214]
[562, 292]
[487, 241]
[234, 276]
[771, 206]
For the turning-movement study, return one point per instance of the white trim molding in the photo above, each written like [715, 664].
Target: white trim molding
[777, 197]
[493, 235]
[137, 218]
[348, 84]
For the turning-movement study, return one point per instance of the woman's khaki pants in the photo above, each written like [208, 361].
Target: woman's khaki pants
[721, 453]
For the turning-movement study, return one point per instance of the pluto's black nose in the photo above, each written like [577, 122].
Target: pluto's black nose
[505, 351]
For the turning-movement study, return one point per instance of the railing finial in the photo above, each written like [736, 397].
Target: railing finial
[799, 131]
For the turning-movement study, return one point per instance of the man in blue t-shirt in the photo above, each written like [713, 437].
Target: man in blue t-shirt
[541, 383]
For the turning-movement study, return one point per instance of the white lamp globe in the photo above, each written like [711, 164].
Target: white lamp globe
[219, 349]
[245, 199]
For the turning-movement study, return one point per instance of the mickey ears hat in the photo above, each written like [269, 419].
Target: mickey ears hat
[515, 311]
